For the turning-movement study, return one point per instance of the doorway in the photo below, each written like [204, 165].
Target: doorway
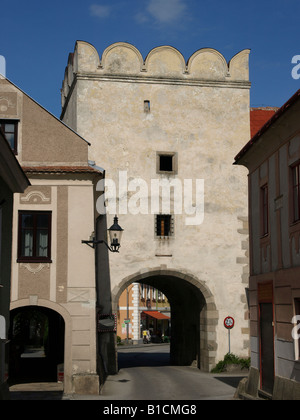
[193, 315]
[36, 345]
[267, 347]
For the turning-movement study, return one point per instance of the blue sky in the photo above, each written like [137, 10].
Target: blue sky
[36, 38]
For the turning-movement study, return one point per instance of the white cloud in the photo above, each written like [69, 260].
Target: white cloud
[100, 11]
[167, 11]
[141, 18]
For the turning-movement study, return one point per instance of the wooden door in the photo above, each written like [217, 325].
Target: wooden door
[267, 347]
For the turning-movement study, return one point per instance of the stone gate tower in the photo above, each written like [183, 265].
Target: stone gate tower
[167, 121]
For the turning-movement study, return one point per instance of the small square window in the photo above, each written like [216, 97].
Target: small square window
[10, 131]
[166, 163]
[164, 225]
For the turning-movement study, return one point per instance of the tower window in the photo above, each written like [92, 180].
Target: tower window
[147, 106]
[166, 163]
[164, 225]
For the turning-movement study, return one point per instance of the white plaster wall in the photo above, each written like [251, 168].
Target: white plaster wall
[206, 123]
[80, 199]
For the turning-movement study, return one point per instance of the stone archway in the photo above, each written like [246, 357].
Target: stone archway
[55, 312]
[194, 314]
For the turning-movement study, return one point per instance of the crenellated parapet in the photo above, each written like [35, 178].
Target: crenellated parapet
[164, 63]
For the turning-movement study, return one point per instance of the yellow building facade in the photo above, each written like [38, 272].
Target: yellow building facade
[142, 307]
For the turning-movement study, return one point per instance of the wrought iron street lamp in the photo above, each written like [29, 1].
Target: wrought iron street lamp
[115, 234]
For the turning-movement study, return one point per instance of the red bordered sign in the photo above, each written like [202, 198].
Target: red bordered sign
[229, 322]
[107, 322]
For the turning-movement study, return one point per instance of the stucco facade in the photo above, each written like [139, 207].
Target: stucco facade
[12, 180]
[53, 273]
[272, 158]
[133, 110]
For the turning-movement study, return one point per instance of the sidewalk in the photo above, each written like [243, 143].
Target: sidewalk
[37, 391]
[140, 345]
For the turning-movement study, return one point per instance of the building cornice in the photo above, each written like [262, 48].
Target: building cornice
[164, 80]
[144, 79]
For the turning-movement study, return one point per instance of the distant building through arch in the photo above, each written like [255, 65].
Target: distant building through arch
[193, 310]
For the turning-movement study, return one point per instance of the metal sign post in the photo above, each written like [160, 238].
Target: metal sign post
[229, 324]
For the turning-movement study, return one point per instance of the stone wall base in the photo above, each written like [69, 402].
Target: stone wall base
[284, 389]
[248, 387]
[86, 384]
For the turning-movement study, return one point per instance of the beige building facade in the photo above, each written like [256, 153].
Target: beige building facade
[12, 181]
[162, 119]
[53, 290]
[272, 158]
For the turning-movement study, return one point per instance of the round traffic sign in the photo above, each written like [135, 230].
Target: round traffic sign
[229, 322]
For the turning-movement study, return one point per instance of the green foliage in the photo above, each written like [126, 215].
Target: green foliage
[231, 359]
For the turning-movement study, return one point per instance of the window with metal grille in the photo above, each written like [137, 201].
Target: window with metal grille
[164, 225]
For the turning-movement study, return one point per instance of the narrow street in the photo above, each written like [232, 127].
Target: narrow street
[145, 374]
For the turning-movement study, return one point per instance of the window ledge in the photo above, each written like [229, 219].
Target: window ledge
[164, 255]
[34, 261]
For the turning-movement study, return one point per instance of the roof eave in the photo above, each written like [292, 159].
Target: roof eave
[266, 126]
[10, 169]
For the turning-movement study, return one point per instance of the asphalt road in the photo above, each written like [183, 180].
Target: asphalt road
[145, 374]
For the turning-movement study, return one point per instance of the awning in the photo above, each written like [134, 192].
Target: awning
[155, 314]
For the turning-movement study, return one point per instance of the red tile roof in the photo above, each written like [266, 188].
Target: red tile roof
[258, 118]
[59, 169]
[268, 124]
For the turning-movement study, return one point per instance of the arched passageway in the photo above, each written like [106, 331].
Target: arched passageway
[36, 345]
[193, 315]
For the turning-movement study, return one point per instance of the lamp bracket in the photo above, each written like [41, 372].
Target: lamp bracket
[93, 243]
